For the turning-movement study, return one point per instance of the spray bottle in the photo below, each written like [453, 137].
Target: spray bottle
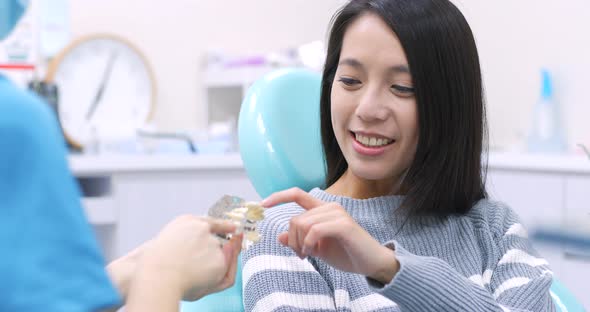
[547, 132]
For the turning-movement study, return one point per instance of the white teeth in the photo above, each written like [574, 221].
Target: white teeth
[365, 140]
[371, 141]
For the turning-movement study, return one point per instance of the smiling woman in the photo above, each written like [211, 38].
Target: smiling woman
[427, 78]
[404, 223]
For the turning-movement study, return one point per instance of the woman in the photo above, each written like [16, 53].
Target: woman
[404, 223]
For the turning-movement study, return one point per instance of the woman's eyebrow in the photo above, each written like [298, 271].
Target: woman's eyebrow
[352, 62]
[402, 68]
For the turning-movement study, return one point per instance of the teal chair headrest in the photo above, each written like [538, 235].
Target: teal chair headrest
[279, 132]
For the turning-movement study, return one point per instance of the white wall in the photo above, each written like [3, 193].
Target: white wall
[515, 38]
[175, 35]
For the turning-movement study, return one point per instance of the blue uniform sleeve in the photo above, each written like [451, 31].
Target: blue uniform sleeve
[49, 258]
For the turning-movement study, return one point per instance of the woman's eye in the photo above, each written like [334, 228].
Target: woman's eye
[403, 89]
[349, 81]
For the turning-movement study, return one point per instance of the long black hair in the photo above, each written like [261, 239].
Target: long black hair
[447, 175]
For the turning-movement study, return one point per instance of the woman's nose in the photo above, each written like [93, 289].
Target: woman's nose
[372, 106]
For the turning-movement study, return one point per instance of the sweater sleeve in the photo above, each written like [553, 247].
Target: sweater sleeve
[275, 279]
[518, 280]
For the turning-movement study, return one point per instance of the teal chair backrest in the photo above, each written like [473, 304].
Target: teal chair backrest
[280, 145]
[563, 298]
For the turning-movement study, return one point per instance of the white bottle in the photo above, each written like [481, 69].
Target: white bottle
[547, 134]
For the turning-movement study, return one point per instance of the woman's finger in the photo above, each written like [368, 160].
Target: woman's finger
[331, 229]
[284, 239]
[292, 242]
[307, 220]
[296, 195]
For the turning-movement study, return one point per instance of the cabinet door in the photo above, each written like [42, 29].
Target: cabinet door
[577, 209]
[537, 198]
[147, 201]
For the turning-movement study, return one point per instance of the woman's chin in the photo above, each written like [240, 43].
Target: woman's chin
[369, 172]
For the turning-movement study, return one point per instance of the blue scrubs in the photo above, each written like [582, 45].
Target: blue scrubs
[49, 258]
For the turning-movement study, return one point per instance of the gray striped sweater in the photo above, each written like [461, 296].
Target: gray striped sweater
[481, 261]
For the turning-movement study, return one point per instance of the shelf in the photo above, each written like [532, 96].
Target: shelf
[541, 163]
[108, 164]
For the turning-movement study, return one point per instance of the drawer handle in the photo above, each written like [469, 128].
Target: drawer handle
[578, 256]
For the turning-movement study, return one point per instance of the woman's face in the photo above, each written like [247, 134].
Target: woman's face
[374, 112]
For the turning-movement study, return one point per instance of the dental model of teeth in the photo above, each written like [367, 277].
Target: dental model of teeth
[245, 215]
[246, 218]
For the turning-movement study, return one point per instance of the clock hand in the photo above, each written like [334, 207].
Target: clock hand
[105, 78]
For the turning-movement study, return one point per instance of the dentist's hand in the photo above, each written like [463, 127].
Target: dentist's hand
[185, 261]
[122, 270]
[187, 251]
[328, 232]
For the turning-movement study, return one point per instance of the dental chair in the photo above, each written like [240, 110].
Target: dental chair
[280, 145]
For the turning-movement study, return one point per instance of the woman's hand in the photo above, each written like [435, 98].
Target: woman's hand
[328, 232]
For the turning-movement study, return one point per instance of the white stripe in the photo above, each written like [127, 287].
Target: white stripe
[487, 276]
[371, 302]
[518, 230]
[505, 309]
[509, 284]
[367, 303]
[477, 279]
[482, 280]
[342, 298]
[277, 263]
[558, 302]
[299, 301]
[519, 256]
[547, 272]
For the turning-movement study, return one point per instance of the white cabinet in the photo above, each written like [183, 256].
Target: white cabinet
[148, 201]
[536, 197]
[576, 273]
[577, 198]
[129, 199]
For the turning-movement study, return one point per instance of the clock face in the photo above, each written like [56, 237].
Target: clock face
[106, 90]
